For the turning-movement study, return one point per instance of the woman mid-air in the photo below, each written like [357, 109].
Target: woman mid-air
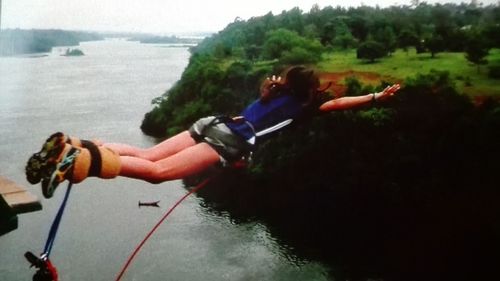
[209, 141]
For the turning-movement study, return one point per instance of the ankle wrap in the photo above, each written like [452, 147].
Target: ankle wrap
[95, 156]
[95, 161]
[74, 142]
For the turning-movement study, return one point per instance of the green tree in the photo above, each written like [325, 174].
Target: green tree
[283, 41]
[311, 31]
[476, 52]
[492, 33]
[345, 40]
[387, 38]
[407, 38]
[278, 41]
[252, 52]
[371, 50]
[434, 44]
[327, 33]
[358, 25]
[299, 55]
[292, 20]
[342, 34]
[353, 86]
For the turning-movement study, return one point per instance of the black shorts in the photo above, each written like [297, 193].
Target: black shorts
[213, 130]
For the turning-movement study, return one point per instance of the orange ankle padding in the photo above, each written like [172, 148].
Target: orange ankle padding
[76, 142]
[110, 164]
[81, 166]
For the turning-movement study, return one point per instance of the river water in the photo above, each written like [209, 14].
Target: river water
[105, 95]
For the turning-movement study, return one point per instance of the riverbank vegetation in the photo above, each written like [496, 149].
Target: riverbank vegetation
[403, 190]
[152, 39]
[73, 53]
[18, 41]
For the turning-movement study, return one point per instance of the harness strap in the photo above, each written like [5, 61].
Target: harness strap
[274, 128]
[46, 270]
[232, 140]
[229, 139]
[55, 225]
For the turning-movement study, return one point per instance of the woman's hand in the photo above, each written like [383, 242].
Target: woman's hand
[269, 84]
[389, 91]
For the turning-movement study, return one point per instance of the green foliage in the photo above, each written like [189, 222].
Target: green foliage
[299, 55]
[411, 161]
[225, 69]
[279, 41]
[151, 39]
[387, 38]
[371, 51]
[252, 52]
[353, 86]
[476, 51]
[206, 88]
[73, 52]
[494, 72]
[154, 123]
[345, 40]
[407, 38]
[401, 65]
[379, 117]
[289, 46]
[311, 31]
[491, 33]
[409, 166]
[435, 44]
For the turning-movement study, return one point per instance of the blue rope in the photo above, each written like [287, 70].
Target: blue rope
[55, 225]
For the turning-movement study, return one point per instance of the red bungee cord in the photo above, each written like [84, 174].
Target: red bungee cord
[139, 246]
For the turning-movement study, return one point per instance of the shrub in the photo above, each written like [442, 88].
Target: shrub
[371, 51]
[494, 71]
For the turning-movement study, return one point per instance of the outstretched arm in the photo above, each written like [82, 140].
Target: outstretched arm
[352, 102]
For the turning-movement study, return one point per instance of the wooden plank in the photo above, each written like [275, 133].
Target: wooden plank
[8, 219]
[8, 186]
[19, 199]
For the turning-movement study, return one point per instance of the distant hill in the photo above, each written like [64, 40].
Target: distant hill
[152, 39]
[19, 41]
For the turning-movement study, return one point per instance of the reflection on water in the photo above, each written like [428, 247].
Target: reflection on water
[105, 95]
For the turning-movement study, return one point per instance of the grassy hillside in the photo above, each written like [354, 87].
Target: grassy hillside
[401, 65]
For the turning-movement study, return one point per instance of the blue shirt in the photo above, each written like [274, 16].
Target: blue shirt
[263, 118]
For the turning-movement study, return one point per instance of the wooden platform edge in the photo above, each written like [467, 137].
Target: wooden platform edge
[17, 198]
[8, 218]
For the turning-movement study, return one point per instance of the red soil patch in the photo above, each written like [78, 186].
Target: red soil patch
[337, 79]
[479, 100]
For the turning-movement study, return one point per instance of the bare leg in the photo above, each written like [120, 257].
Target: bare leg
[160, 151]
[187, 162]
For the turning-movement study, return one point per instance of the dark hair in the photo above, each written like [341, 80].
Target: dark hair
[301, 82]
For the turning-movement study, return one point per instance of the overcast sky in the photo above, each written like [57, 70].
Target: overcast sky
[159, 16]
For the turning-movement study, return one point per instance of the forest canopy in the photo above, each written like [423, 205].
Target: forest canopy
[225, 69]
[402, 190]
